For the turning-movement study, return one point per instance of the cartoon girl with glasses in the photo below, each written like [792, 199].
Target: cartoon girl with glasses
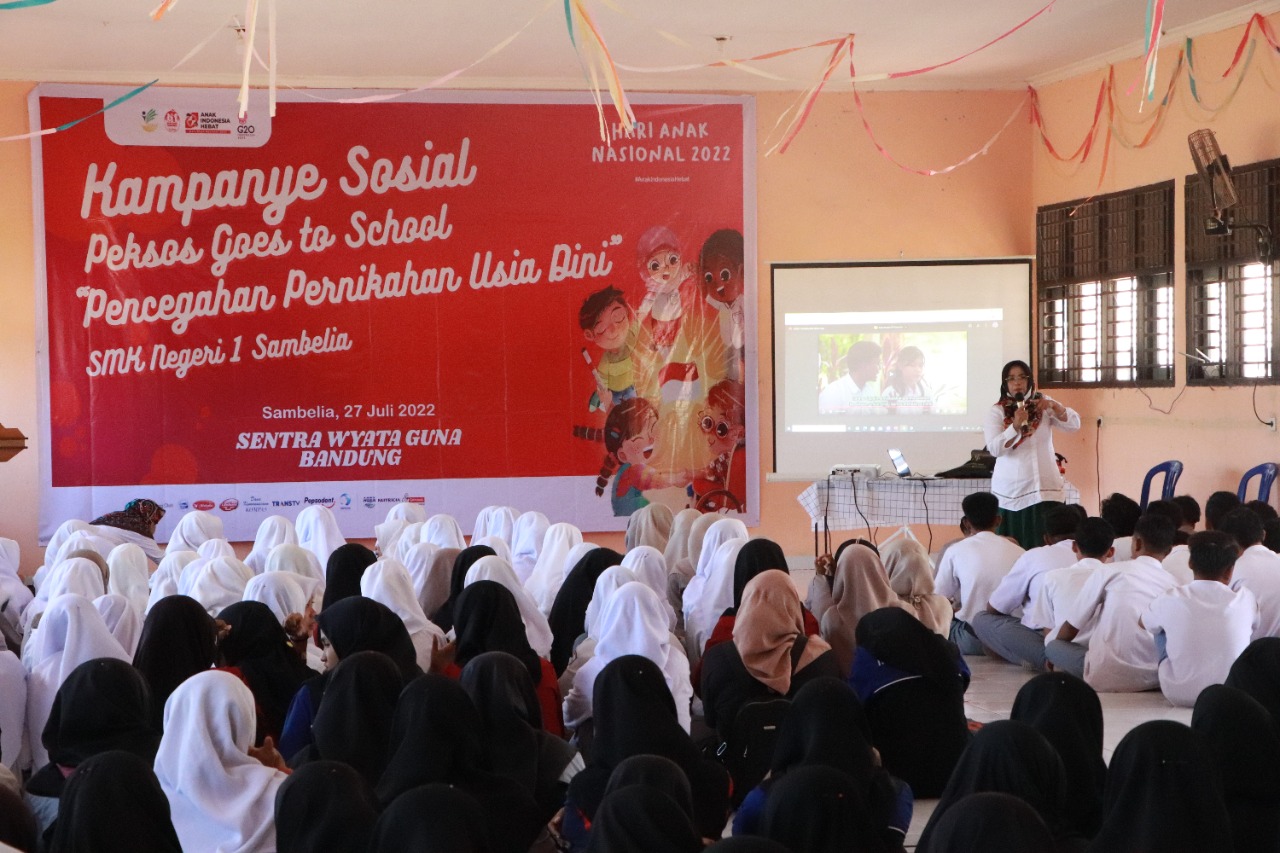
[722, 484]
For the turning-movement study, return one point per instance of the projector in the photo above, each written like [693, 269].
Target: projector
[856, 470]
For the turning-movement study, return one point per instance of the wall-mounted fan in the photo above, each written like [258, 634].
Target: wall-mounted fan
[1215, 173]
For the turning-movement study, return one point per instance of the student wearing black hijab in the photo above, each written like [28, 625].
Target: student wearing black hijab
[1257, 672]
[568, 617]
[445, 616]
[353, 722]
[258, 650]
[1163, 793]
[991, 821]
[487, 619]
[436, 738]
[343, 572]
[517, 746]
[826, 727]
[634, 714]
[178, 640]
[113, 803]
[1244, 743]
[1068, 713]
[18, 827]
[324, 806]
[1009, 757]
[654, 771]
[641, 819]
[911, 682]
[103, 705]
[355, 624]
[818, 809]
[432, 819]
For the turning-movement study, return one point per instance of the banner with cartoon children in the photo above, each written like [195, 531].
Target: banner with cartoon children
[461, 299]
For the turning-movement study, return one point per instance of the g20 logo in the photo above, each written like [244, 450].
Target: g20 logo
[246, 130]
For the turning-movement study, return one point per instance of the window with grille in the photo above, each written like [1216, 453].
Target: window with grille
[1104, 270]
[1231, 304]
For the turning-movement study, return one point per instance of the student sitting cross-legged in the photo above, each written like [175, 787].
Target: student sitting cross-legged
[1121, 655]
[972, 568]
[1202, 627]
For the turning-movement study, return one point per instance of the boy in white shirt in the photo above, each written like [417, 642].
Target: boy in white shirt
[1121, 655]
[1257, 569]
[972, 568]
[1004, 627]
[1202, 627]
[1178, 563]
[1060, 587]
[1122, 513]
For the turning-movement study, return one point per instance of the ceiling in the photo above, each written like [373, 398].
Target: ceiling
[406, 43]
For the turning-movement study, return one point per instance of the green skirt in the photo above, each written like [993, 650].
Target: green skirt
[1026, 525]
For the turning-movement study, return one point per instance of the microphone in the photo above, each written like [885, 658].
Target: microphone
[1019, 400]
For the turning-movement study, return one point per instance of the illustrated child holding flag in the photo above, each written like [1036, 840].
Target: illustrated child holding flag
[663, 274]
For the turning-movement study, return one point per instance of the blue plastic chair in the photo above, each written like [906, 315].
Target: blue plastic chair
[1172, 470]
[1266, 474]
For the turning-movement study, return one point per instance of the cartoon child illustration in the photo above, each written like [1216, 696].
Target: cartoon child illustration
[721, 263]
[663, 274]
[722, 484]
[630, 432]
[607, 322]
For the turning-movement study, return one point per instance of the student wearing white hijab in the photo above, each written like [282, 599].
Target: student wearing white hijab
[633, 623]
[75, 576]
[164, 582]
[494, 521]
[285, 594]
[717, 533]
[318, 532]
[548, 573]
[716, 598]
[650, 568]
[217, 584]
[497, 543]
[14, 595]
[221, 798]
[431, 588]
[274, 530]
[386, 535]
[124, 623]
[410, 536]
[208, 550]
[387, 582]
[71, 632]
[193, 530]
[681, 570]
[297, 560]
[13, 711]
[443, 531]
[649, 525]
[536, 628]
[609, 582]
[408, 512]
[526, 541]
[130, 573]
[61, 535]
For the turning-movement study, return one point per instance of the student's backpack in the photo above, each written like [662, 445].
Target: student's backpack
[748, 751]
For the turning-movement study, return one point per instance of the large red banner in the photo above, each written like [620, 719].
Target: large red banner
[466, 301]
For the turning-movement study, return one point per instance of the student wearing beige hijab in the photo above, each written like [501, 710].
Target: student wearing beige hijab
[860, 586]
[911, 576]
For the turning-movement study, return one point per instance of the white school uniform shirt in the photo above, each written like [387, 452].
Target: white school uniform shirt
[1026, 474]
[1178, 564]
[1016, 590]
[972, 569]
[1206, 625]
[1058, 591]
[1123, 546]
[1258, 570]
[536, 628]
[1122, 656]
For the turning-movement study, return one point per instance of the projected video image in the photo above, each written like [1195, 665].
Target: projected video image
[893, 373]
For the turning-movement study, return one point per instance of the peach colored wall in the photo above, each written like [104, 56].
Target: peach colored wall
[1212, 430]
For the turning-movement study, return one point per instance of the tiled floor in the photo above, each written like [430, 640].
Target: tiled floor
[990, 697]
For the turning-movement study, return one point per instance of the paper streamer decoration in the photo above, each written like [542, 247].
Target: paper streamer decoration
[1155, 20]
[158, 12]
[24, 4]
[1195, 90]
[594, 55]
[807, 100]
[49, 131]
[898, 74]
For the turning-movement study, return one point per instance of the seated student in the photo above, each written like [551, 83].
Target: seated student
[1217, 507]
[972, 568]
[1121, 512]
[1190, 511]
[1005, 627]
[1201, 628]
[1058, 590]
[1178, 563]
[1257, 569]
[1121, 655]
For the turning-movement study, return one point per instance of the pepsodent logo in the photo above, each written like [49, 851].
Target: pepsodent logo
[202, 505]
[149, 121]
[229, 505]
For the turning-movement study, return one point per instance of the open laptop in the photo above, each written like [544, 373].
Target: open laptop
[904, 470]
